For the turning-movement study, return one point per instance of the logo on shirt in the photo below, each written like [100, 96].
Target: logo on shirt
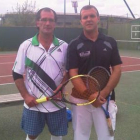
[105, 50]
[108, 45]
[59, 50]
[84, 54]
[80, 46]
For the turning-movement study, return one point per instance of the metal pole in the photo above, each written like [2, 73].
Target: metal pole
[129, 9]
[75, 9]
[89, 2]
[64, 18]
[64, 7]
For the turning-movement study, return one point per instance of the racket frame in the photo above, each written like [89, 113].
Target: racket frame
[44, 99]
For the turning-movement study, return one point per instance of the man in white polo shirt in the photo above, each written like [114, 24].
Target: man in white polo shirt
[42, 59]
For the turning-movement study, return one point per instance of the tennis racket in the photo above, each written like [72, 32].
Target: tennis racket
[86, 85]
[102, 76]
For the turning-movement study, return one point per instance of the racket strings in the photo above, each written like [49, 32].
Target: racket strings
[91, 85]
[101, 76]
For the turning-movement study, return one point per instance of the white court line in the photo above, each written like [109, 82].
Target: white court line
[131, 57]
[130, 65]
[4, 84]
[131, 71]
[5, 76]
[6, 63]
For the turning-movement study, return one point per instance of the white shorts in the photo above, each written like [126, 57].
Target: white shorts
[83, 117]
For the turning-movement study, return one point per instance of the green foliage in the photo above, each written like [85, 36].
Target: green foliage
[22, 15]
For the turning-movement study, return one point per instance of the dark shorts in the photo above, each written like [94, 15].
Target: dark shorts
[33, 122]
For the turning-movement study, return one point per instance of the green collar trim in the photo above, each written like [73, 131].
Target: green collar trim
[35, 41]
[55, 41]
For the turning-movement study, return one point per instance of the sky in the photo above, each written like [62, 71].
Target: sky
[105, 7]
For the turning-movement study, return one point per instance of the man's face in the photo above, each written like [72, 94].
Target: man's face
[89, 20]
[46, 23]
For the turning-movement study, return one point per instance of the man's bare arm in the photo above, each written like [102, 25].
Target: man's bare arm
[113, 81]
[29, 100]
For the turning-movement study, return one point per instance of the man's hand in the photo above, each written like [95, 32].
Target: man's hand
[99, 101]
[30, 100]
[58, 95]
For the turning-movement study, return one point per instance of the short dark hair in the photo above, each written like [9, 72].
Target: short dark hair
[48, 10]
[86, 7]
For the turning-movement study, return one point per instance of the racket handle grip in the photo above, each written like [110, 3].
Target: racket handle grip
[41, 100]
[109, 123]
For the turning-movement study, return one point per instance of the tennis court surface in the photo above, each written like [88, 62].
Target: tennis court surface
[127, 99]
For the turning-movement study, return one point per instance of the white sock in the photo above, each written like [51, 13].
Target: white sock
[56, 137]
[27, 138]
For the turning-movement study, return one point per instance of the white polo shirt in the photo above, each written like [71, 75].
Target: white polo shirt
[42, 70]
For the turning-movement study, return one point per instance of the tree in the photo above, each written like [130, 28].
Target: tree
[22, 15]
